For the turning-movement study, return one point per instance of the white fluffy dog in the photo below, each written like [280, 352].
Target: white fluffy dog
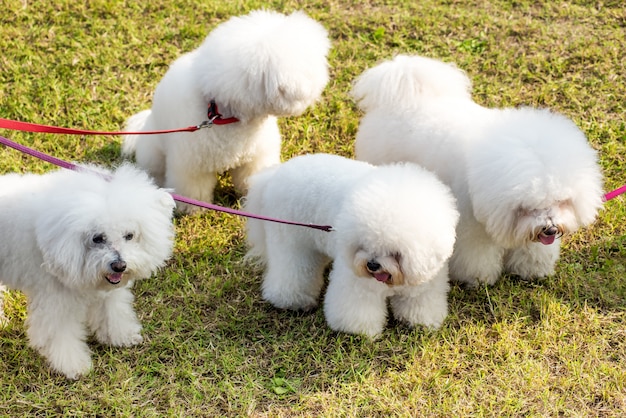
[393, 232]
[73, 242]
[522, 177]
[254, 67]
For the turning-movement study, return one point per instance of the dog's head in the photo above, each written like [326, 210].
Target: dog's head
[264, 63]
[101, 232]
[533, 178]
[397, 226]
[545, 225]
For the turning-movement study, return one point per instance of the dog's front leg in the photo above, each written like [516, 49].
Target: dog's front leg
[426, 304]
[112, 318]
[267, 155]
[355, 305]
[477, 258]
[533, 260]
[55, 328]
[189, 179]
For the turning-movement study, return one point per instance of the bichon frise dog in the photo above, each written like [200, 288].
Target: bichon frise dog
[73, 242]
[393, 232]
[522, 177]
[253, 68]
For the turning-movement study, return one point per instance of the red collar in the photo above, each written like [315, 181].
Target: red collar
[215, 117]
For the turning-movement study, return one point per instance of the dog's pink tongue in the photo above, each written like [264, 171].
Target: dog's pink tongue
[114, 278]
[382, 277]
[546, 239]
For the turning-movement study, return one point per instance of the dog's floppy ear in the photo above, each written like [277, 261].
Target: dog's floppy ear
[61, 244]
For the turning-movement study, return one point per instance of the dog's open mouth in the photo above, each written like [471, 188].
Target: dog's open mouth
[546, 239]
[114, 278]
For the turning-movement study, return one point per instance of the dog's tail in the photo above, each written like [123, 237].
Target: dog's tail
[406, 79]
[139, 122]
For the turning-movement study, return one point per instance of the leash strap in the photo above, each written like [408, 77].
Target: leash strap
[218, 208]
[35, 127]
[213, 115]
[64, 164]
[37, 154]
[613, 194]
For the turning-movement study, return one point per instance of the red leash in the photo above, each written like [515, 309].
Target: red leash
[34, 127]
[213, 115]
[183, 199]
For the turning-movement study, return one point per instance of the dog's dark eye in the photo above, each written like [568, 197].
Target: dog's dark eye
[99, 239]
[129, 236]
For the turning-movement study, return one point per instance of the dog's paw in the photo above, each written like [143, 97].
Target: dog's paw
[475, 281]
[432, 320]
[126, 341]
[122, 336]
[75, 371]
[73, 363]
[372, 328]
[428, 309]
[533, 261]
[303, 304]
[294, 301]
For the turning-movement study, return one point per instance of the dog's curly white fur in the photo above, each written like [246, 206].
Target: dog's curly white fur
[73, 242]
[393, 232]
[522, 176]
[256, 67]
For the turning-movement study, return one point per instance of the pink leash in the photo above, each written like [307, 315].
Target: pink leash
[70, 166]
[613, 194]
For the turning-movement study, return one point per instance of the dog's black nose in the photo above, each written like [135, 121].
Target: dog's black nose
[118, 266]
[373, 265]
[550, 230]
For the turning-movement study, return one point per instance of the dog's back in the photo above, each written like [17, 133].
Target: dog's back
[300, 190]
[417, 109]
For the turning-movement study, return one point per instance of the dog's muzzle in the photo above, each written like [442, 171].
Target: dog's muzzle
[375, 269]
[118, 267]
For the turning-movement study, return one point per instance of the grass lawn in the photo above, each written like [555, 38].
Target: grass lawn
[213, 347]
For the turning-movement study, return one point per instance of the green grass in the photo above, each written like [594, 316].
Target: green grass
[554, 347]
